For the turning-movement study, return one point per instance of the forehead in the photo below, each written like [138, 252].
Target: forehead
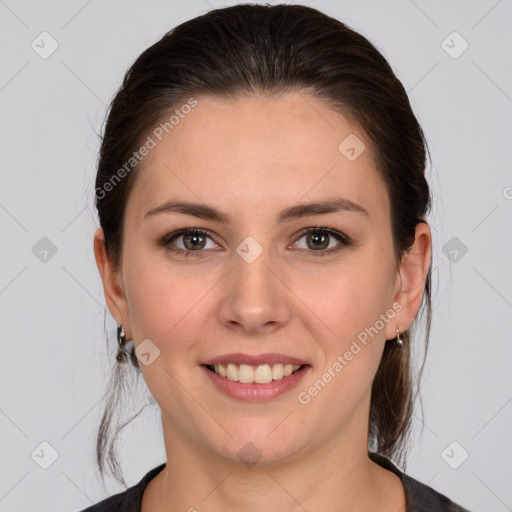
[258, 152]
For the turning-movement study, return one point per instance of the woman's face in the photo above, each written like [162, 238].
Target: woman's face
[255, 289]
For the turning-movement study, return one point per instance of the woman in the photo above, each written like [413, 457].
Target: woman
[264, 249]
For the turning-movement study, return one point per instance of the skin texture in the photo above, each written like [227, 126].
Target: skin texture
[251, 159]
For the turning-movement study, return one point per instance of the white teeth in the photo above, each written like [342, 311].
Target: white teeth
[232, 372]
[245, 373]
[262, 374]
[288, 369]
[220, 370]
[277, 372]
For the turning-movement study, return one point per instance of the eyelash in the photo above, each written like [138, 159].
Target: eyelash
[343, 239]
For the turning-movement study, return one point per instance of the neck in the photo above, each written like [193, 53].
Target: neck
[336, 477]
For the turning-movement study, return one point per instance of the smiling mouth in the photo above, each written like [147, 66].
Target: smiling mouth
[260, 374]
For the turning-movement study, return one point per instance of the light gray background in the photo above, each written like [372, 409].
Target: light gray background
[54, 362]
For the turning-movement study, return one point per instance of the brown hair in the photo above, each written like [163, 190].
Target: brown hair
[248, 49]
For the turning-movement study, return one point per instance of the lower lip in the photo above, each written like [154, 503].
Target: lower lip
[256, 392]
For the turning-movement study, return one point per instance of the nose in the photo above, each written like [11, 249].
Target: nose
[255, 299]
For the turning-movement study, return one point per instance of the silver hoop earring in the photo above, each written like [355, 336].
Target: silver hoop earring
[125, 348]
[399, 340]
[121, 356]
[121, 339]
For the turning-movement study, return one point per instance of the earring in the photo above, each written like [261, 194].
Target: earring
[125, 348]
[121, 336]
[121, 353]
[398, 339]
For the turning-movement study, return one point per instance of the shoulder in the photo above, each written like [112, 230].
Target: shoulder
[129, 500]
[420, 497]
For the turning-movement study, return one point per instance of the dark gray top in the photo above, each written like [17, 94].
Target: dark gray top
[420, 497]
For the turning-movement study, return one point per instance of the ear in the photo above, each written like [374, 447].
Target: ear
[112, 283]
[410, 283]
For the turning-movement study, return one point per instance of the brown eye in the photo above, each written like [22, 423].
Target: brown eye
[321, 240]
[187, 241]
[318, 240]
[194, 241]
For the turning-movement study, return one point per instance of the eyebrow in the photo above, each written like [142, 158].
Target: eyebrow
[204, 211]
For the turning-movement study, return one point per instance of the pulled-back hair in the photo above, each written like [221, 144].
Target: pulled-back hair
[244, 50]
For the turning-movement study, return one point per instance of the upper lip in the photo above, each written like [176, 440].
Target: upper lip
[252, 360]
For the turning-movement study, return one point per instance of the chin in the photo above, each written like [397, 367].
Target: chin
[262, 446]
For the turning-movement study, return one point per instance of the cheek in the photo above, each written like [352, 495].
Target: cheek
[351, 342]
[165, 307]
[168, 305]
[349, 299]
[349, 302]
[157, 298]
